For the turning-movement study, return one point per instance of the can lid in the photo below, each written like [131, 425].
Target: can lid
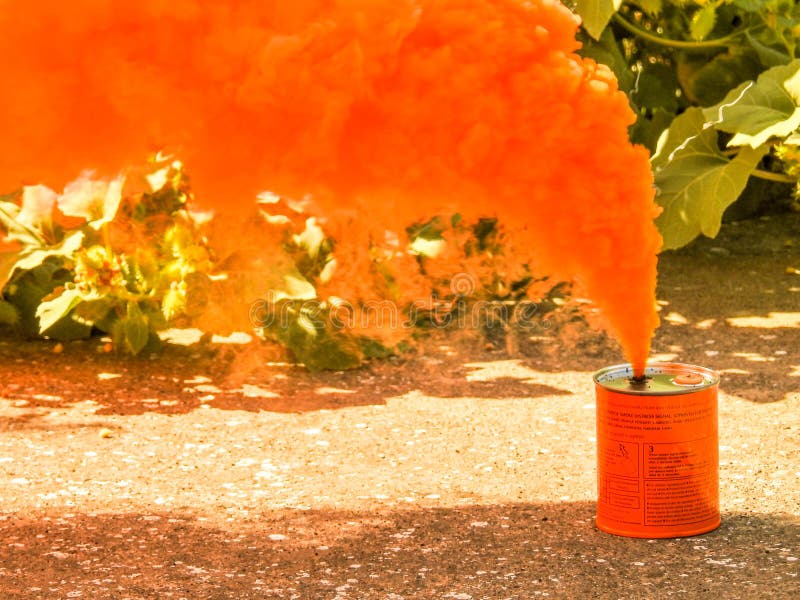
[660, 379]
[689, 379]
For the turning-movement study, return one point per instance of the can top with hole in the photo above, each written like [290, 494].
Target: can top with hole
[661, 379]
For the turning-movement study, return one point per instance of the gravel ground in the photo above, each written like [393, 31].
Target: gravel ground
[456, 473]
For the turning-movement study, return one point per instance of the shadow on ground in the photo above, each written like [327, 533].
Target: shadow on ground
[506, 551]
[179, 380]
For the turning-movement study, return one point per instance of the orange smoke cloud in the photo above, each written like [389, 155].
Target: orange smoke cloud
[393, 110]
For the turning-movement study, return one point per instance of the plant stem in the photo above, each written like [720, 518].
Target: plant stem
[722, 42]
[770, 176]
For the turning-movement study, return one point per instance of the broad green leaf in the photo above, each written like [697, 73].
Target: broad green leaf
[90, 311]
[706, 82]
[703, 22]
[648, 131]
[9, 315]
[328, 270]
[30, 259]
[27, 290]
[682, 132]
[15, 229]
[372, 348]
[307, 325]
[134, 328]
[595, 14]
[173, 304]
[655, 88]
[322, 349]
[68, 329]
[94, 200]
[758, 110]
[7, 262]
[769, 55]
[779, 130]
[296, 287]
[695, 181]
[330, 352]
[793, 139]
[425, 247]
[311, 238]
[52, 311]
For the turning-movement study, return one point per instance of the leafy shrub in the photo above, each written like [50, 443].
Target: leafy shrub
[127, 258]
[716, 89]
[103, 256]
[334, 309]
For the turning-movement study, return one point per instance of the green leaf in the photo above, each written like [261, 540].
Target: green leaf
[793, 139]
[372, 348]
[607, 51]
[94, 200]
[779, 130]
[7, 262]
[595, 14]
[68, 329]
[757, 111]
[16, 230]
[703, 22]
[134, 329]
[9, 315]
[425, 247]
[296, 287]
[331, 352]
[311, 238]
[647, 131]
[655, 88]
[92, 311]
[173, 304]
[27, 290]
[52, 311]
[767, 54]
[321, 349]
[328, 270]
[695, 181]
[30, 259]
[651, 7]
[750, 5]
[706, 82]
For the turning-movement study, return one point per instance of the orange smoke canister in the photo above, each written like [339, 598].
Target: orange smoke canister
[657, 451]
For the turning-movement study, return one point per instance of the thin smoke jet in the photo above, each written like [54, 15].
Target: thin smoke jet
[389, 110]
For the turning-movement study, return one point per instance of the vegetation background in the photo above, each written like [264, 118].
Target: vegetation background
[715, 86]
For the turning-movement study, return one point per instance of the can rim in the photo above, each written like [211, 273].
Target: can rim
[710, 377]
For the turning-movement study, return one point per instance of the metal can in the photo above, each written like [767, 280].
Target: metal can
[657, 451]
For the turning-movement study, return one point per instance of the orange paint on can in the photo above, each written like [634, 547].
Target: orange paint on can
[657, 451]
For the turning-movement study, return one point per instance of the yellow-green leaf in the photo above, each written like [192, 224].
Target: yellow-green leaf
[703, 22]
[595, 14]
[695, 181]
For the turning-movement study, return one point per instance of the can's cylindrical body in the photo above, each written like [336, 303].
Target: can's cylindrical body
[657, 451]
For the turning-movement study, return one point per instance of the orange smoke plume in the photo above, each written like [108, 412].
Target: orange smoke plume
[390, 110]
